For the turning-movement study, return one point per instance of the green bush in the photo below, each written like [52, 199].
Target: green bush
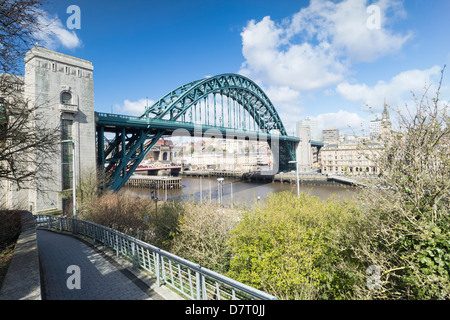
[284, 246]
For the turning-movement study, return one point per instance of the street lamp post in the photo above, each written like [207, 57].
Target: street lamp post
[220, 180]
[154, 196]
[74, 186]
[298, 182]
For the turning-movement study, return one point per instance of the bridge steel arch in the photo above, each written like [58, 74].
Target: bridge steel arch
[135, 136]
[176, 103]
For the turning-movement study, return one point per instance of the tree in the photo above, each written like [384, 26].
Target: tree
[203, 233]
[405, 230]
[26, 142]
[19, 26]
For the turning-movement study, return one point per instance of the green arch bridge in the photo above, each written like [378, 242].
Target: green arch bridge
[227, 106]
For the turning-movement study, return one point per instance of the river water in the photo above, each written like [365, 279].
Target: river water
[240, 192]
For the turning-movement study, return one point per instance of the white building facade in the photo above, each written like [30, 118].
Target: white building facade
[62, 86]
[352, 158]
[375, 128]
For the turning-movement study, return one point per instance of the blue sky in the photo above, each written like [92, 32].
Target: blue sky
[313, 58]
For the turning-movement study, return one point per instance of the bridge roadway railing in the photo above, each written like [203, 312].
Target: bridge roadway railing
[185, 277]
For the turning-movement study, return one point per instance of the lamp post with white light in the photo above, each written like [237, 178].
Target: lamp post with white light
[298, 182]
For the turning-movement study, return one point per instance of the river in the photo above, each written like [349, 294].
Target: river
[240, 192]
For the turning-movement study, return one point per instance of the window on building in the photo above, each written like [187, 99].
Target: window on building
[66, 97]
[67, 174]
[66, 129]
[66, 154]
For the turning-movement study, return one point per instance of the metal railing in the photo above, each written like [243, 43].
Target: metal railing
[185, 277]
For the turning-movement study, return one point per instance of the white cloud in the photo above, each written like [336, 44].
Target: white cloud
[52, 34]
[396, 92]
[271, 58]
[344, 26]
[316, 47]
[133, 108]
[346, 122]
[283, 97]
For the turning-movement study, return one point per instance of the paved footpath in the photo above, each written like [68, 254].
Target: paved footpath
[100, 279]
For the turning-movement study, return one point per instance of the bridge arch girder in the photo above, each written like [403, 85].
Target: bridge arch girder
[236, 87]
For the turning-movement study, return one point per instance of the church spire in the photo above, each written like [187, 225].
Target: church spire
[385, 112]
[385, 123]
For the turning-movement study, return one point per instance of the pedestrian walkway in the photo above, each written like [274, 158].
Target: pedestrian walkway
[100, 278]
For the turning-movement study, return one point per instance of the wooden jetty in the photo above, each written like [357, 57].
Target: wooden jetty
[154, 182]
[213, 173]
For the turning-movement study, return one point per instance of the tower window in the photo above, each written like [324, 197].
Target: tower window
[66, 154]
[66, 97]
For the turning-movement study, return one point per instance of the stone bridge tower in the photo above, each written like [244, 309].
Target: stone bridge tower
[63, 87]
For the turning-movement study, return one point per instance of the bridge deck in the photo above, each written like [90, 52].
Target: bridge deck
[116, 120]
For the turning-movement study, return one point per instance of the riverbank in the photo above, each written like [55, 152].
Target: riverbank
[260, 176]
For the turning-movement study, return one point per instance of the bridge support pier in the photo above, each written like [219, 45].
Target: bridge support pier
[120, 157]
[303, 150]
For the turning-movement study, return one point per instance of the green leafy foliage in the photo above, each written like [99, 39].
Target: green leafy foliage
[283, 247]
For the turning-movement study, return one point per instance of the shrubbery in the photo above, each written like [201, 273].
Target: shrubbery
[203, 234]
[135, 216]
[195, 232]
[10, 225]
[283, 247]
